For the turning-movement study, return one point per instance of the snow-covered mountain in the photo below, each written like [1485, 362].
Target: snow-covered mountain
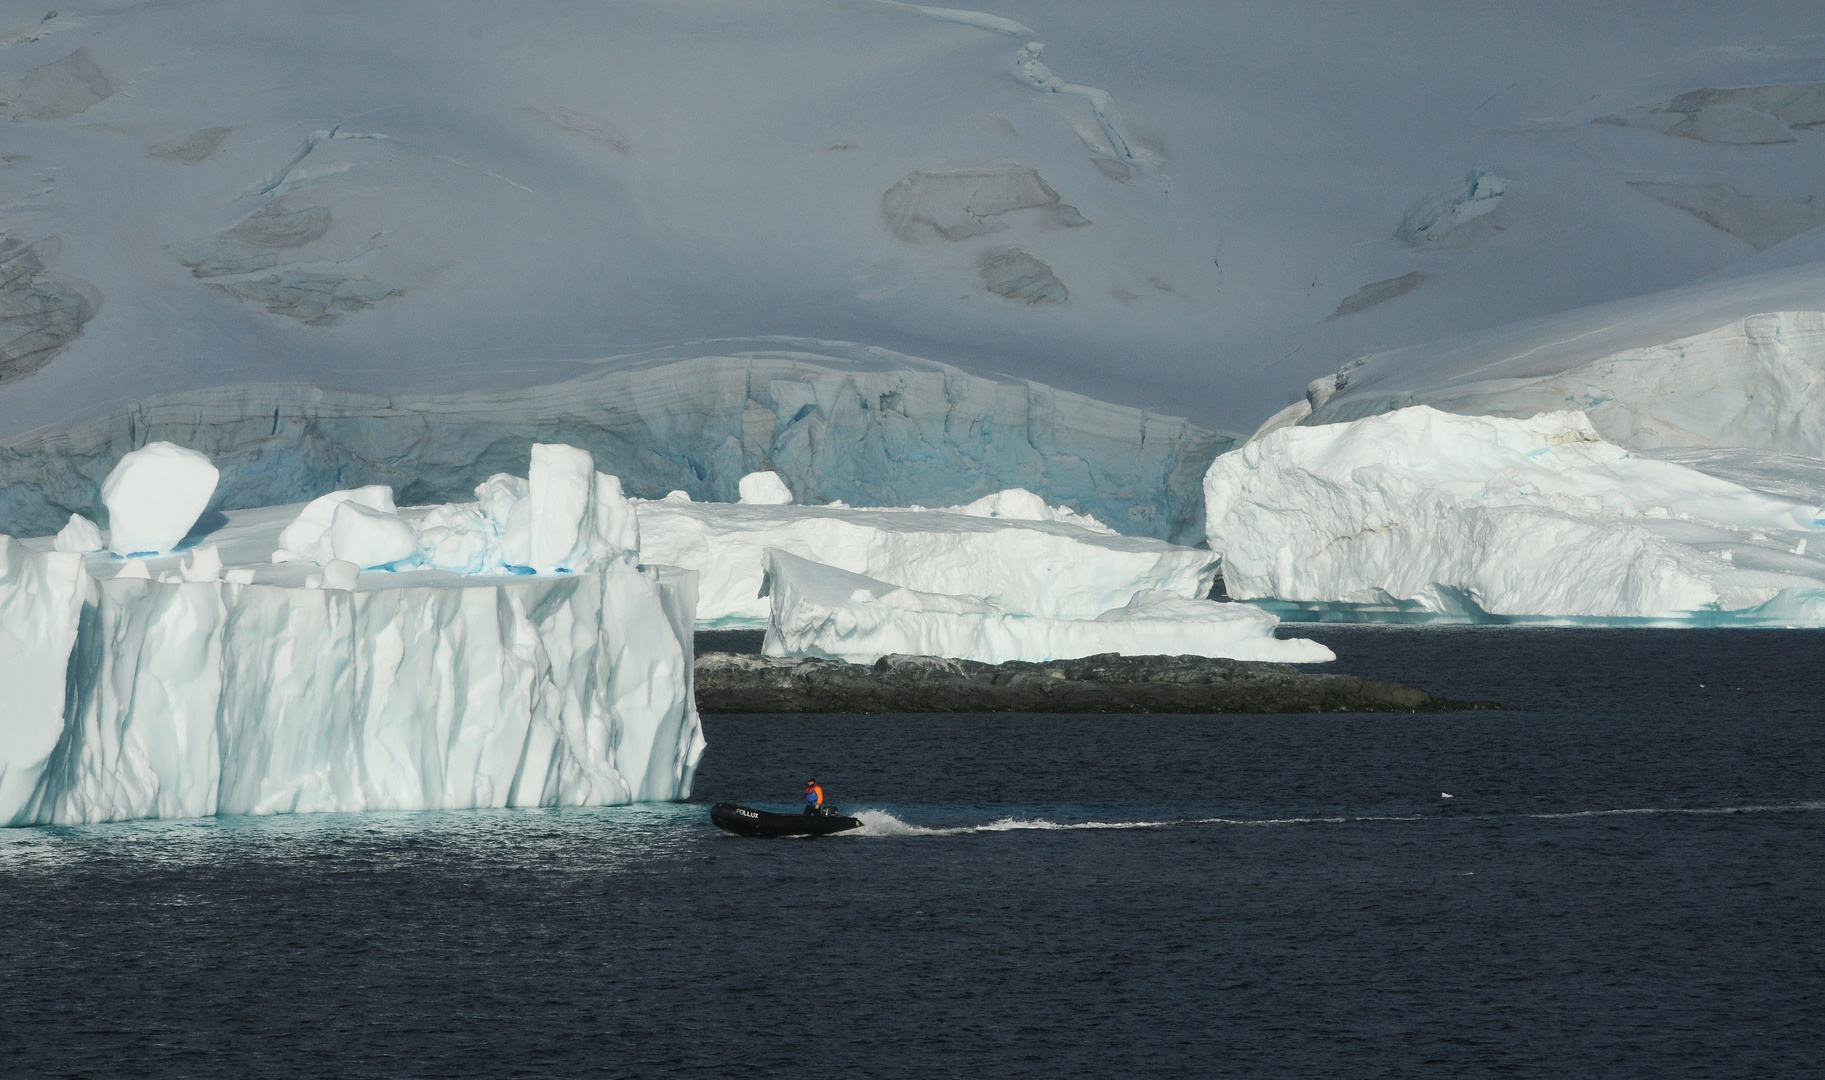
[1192, 208]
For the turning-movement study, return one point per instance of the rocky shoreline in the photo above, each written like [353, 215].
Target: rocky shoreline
[1110, 683]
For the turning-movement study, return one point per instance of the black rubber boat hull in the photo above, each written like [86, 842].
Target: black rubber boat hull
[745, 821]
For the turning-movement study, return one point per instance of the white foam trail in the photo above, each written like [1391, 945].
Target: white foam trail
[1769, 808]
[882, 823]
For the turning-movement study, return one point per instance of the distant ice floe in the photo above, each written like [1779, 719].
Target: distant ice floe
[820, 610]
[1740, 115]
[1421, 512]
[1009, 548]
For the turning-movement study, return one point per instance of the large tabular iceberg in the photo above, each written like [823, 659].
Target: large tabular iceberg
[1054, 567]
[160, 691]
[1462, 516]
[820, 610]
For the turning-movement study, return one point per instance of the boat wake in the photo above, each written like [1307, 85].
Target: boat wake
[878, 823]
[882, 823]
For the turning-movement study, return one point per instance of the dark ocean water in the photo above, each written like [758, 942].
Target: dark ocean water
[1629, 880]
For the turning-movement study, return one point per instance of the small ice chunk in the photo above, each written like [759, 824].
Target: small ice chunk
[203, 564]
[135, 568]
[516, 536]
[1014, 504]
[299, 541]
[315, 581]
[341, 574]
[1800, 548]
[677, 495]
[81, 536]
[154, 495]
[240, 575]
[561, 507]
[764, 489]
[369, 538]
[462, 551]
[497, 496]
[617, 525]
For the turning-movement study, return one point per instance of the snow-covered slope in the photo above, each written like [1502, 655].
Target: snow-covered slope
[1196, 207]
[145, 695]
[821, 610]
[1045, 568]
[1736, 360]
[1429, 513]
[866, 426]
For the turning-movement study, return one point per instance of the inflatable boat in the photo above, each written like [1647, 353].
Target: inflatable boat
[745, 821]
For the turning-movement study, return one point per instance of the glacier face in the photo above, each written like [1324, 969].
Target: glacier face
[1420, 511]
[136, 697]
[820, 610]
[1050, 568]
[864, 426]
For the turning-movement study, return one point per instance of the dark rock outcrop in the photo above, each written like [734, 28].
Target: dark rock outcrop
[1109, 683]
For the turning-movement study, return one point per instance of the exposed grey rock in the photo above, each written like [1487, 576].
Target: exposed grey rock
[1377, 292]
[253, 243]
[1733, 116]
[57, 90]
[315, 287]
[314, 299]
[40, 312]
[1761, 223]
[195, 147]
[1113, 169]
[1110, 683]
[1012, 273]
[589, 128]
[961, 203]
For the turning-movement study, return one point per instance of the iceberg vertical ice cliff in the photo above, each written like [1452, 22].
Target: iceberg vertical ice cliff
[1428, 512]
[132, 697]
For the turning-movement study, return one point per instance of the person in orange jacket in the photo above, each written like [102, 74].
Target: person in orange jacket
[814, 797]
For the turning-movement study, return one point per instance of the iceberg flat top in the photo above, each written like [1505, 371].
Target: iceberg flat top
[246, 540]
